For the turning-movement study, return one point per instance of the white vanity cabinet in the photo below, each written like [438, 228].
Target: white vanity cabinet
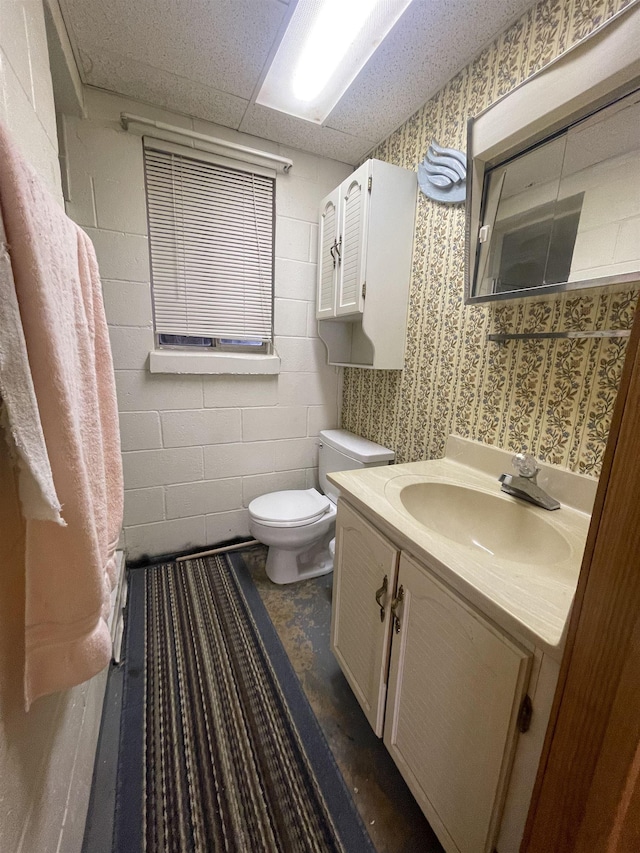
[366, 232]
[443, 684]
[360, 616]
[456, 684]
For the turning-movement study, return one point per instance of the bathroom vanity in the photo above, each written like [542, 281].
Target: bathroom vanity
[450, 603]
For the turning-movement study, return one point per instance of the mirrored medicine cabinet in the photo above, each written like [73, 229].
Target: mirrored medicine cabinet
[554, 166]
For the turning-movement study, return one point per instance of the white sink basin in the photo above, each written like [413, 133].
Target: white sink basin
[503, 527]
[517, 563]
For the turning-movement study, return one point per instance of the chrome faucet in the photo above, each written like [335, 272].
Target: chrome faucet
[524, 485]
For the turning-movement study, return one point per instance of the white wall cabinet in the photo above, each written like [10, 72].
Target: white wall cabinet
[441, 683]
[365, 248]
[328, 259]
[343, 242]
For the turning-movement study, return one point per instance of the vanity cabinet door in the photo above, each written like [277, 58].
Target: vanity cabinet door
[455, 688]
[359, 636]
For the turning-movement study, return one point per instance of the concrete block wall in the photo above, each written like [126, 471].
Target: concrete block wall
[26, 92]
[198, 449]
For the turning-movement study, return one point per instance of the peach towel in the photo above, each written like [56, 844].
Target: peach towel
[69, 570]
[19, 414]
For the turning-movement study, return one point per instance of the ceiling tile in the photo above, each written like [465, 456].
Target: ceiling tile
[213, 42]
[269, 124]
[137, 80]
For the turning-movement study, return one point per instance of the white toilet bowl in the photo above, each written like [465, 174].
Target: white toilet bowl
[298, 527]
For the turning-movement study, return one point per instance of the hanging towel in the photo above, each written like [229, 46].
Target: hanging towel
[19, 415]
[69, 570]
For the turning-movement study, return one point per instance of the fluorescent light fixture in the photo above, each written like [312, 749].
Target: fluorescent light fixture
[326, 44]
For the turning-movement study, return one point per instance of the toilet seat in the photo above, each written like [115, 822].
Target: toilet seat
[293, 508]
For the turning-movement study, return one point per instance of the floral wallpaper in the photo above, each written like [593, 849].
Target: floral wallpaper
[551, 397]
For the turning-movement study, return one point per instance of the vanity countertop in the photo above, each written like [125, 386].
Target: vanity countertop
[530, 598]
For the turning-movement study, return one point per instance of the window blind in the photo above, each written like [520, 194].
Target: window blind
[211, 243]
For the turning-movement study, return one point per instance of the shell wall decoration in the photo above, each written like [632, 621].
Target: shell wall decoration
[442, 175]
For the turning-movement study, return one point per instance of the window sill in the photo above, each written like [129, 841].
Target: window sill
[166, 361]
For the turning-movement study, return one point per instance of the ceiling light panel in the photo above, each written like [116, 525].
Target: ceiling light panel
[324, 47]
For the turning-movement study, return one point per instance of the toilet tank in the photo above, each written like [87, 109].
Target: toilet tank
[341, 450]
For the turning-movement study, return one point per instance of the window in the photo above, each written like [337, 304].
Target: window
[211, 235]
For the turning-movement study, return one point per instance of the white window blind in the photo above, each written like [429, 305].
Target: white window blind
[211, 242]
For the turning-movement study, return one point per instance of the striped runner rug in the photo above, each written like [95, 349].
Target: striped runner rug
[219, 749]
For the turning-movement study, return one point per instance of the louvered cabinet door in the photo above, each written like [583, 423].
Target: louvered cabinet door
[328, 258]
[359, 637]
[352, 240]
[455, 688]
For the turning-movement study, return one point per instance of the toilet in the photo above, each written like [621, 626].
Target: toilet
[299, 525]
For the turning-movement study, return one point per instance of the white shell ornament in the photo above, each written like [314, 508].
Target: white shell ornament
[442, 175]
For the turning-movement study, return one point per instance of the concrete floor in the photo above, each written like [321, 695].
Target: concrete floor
[301, 614]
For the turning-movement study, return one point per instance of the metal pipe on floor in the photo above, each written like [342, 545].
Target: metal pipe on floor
[238, 547]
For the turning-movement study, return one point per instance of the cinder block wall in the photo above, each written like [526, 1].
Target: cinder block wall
[198, 449]
[26, 93]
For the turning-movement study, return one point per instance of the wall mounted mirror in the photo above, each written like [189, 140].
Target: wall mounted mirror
[554, 198]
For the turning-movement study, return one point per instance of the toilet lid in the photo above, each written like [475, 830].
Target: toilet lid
[290, 506]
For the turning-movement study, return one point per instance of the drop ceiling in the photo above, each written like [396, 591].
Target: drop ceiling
[207, 58]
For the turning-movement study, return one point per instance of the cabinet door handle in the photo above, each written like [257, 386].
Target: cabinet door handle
[379, 593]
[397, 601]
[338, 248]
[331, 252]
